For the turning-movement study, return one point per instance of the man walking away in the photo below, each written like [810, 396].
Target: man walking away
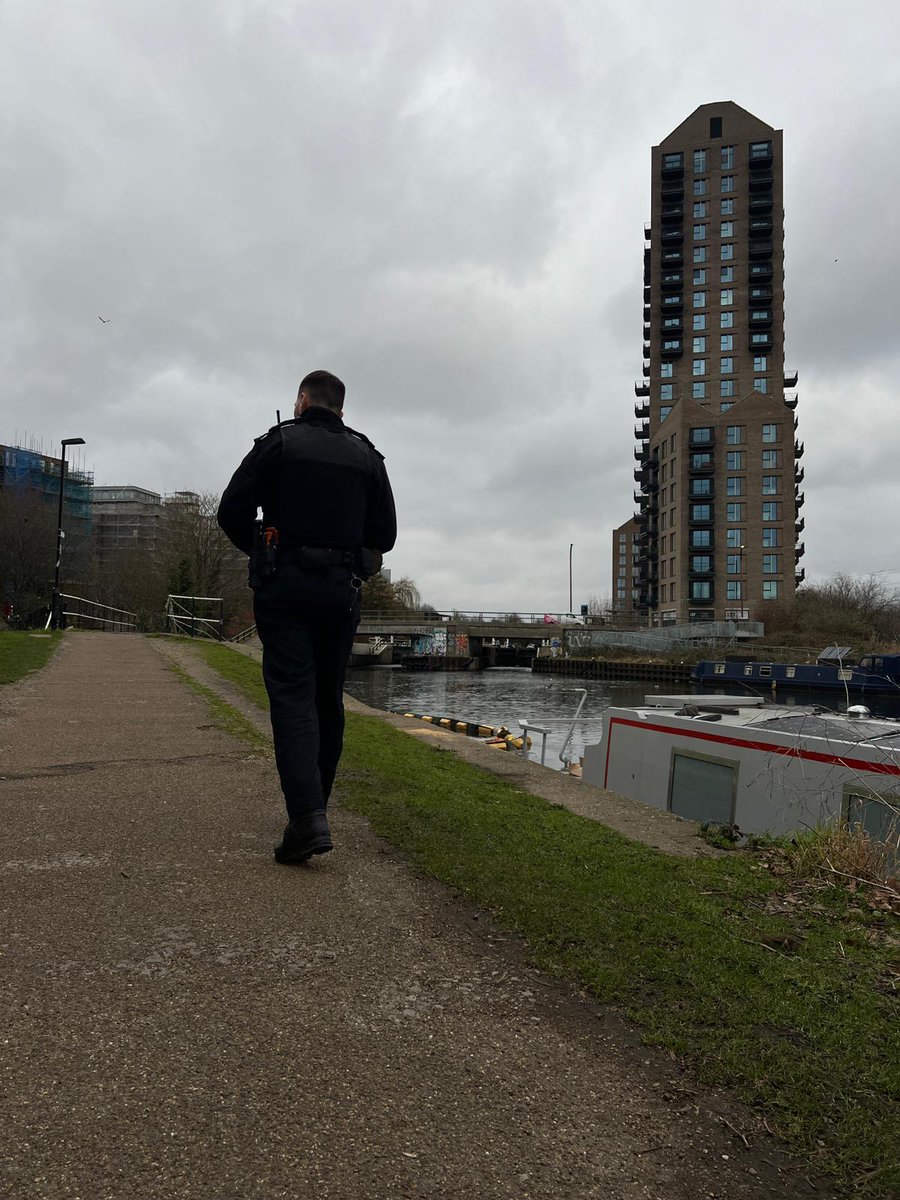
[328, 517]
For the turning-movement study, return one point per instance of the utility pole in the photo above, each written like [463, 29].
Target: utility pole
[57, 620]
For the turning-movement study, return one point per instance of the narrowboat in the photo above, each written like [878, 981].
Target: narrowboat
[873, 675]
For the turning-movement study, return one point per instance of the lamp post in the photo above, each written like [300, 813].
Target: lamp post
[571, 544]
[57, 620]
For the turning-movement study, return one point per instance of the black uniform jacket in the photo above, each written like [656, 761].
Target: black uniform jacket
[318, 482]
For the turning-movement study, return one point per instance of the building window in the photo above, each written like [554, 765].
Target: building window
[671, 322]
[664, 411]
[701, 436]
[699, 299]
[666, 370]
[760, 339]
[672, 344]
[770, 564]
[701, 538]
[726, 320]
[770, 433]
[726, 207]
[667, 391]
[699, 162]
[726, 364]
[700, 187]
[726, 342]
[725, 405]
[726, 275]
[734, 485]
[771, 510]
[700, 277]
[771, 536]
[760, 362]
[761, 385]
[760, 149]
[728, 158]
[699, 345]
[734, 589]
[726, 297]
[733, 564]
[770, 459]
[770, 589]
[770, 485]
[699, 254]
[701, 208]
[701, 487]
[699, 391]
[701, 512]
[701, 461]
[700, 233]
[699, 367]
[734, 538]
[727, 183]
[701, 564]
[671, 162]
[734, 460]
[734, 435]
[701, 589]
[727, 251]
[726, 387]
[726, 229]
[699, 321]
[734, 512]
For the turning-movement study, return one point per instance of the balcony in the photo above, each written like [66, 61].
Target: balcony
[672, 171]
[671, 326]
[702, 497]
[704, 442]
[710, 599]
[642, 388]
[642, 433]
[760, 294]
[791, 399]
[639, 500]
[672, 214]
[648, 229]
[798, 449]
[799, 526]
[760, 341]
[759, 205]
[701, 469]
[799, 476]
[642, 410]
[647, 312]
[760, 227]
[799, 550]
[799, 576]
[672, 304]
[760, 318]
[762, 182]
[672, 237]
[692, 574]
[672, 190]
[761, 249]
[799, 500]
[760, 160]
[796, 422]
[790, 378]
[672, 281]
[672, 348]
[672, 258]
[760, 271]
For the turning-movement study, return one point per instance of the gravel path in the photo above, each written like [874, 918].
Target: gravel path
[182, 1018]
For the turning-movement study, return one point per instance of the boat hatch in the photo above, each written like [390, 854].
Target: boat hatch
[702, 789]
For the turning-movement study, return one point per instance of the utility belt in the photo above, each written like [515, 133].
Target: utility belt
[268, 554]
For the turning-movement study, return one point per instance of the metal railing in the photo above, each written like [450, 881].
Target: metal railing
[185, 616]
[73, 611]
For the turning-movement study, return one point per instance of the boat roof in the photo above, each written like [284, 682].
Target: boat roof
[800, 720]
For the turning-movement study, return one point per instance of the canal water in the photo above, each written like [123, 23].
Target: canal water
[502, 696]
[506, 695]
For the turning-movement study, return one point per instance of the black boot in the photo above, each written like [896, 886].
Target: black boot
[304, 837]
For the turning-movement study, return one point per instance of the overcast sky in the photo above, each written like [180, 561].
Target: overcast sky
[443, 204]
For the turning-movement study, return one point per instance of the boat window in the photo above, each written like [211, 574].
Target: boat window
[790, 672]
[701, 790]
[844, 674]
[865, 662]
[720, 668]
[765, 671]
[877, 816]
[748, 670]
[878, 663]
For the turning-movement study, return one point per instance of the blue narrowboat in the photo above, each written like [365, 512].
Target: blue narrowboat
[874, 674]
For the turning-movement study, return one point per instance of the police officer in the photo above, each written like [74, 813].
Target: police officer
[328, 517]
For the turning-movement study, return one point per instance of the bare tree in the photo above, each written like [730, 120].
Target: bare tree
[27, 553]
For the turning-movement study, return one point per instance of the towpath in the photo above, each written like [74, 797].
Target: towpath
[182, 1018]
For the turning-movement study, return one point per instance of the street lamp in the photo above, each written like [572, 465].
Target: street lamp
[57, 620]
[571, 544]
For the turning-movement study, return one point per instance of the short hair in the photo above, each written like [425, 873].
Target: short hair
[323, 389]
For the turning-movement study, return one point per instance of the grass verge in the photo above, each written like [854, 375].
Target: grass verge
[21, 653]
[224, 716]
[790, 1000]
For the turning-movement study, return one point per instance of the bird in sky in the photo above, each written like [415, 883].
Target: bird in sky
[106, 322]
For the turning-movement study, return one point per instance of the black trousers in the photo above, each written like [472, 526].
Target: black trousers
[306, 625]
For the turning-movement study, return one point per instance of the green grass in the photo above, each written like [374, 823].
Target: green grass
[793, 1009]
[224, 716]
[21, 653]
